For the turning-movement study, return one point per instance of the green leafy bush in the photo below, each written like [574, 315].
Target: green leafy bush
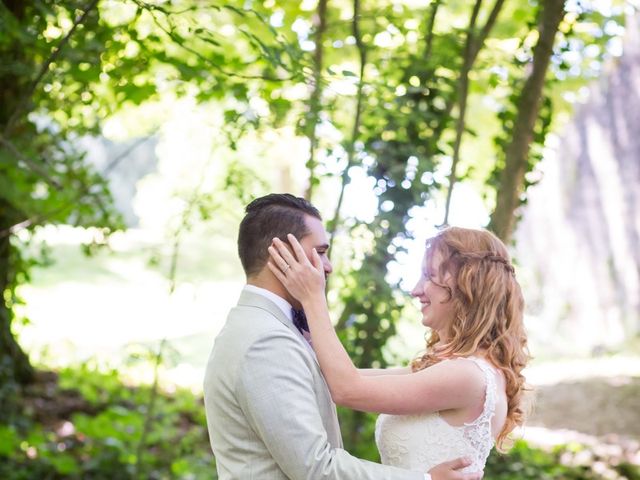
[567, 462]
[100, 437]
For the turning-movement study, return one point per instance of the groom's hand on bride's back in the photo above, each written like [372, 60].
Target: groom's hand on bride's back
[451, 471]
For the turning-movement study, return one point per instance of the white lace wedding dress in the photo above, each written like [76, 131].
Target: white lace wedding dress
[420, 442]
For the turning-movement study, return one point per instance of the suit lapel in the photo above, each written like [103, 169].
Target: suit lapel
[255, 300]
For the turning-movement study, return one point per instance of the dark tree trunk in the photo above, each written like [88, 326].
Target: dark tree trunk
[14, 363]
[16, 92]
[517, 152]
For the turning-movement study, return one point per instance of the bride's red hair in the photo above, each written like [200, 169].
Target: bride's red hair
[488, 306]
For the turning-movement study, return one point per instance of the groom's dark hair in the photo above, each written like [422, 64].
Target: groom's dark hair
[273, 215]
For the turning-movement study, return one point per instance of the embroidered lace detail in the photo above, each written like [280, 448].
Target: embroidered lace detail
[420, 442]
[478, 432]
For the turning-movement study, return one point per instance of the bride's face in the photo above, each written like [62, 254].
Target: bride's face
[431, 290]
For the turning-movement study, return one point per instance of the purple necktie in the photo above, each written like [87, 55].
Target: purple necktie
[300, 320]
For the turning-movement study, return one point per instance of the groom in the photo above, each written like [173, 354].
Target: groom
[269, 411]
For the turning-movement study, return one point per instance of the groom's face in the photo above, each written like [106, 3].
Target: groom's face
[316, 238]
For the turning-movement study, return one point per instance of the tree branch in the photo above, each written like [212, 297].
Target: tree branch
[82, 192]
[180, 43]
[114, 163]
[484, 33]
[29, 162]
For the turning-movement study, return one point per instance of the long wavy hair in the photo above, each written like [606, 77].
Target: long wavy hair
[488, 308]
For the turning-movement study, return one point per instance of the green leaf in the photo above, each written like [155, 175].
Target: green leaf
[9, 440]
[65, 464]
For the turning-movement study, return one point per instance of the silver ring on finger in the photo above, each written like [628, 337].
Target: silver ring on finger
[287, 267]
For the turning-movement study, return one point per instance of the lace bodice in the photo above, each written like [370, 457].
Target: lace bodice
[420, 442]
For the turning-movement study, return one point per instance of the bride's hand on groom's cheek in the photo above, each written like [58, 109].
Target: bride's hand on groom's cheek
[301, 277]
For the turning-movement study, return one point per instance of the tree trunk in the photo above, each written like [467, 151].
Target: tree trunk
[473, 45]
[517, 152]
[313, 115]
[463, 93]
[14, 363]
[355, 131]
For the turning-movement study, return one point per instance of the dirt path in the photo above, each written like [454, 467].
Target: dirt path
[599, 397]
[599, 406]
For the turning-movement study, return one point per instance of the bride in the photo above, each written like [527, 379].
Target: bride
[465, 393]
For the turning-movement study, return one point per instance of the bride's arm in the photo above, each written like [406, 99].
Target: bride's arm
[444, 386]
[384, 371]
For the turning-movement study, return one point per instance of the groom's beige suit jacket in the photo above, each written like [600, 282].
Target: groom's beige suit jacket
[269, 411]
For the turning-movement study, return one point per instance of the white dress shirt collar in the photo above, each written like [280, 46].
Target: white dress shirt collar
[286, 309]
[278, 300]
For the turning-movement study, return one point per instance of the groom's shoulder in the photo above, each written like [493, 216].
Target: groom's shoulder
[254, 320]
[247, 325]
[249, 334]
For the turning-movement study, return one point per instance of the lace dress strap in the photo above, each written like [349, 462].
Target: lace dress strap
[478, 432]
[491, 390]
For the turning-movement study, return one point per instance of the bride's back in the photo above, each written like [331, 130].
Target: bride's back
[419, 442]
[458, 418]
